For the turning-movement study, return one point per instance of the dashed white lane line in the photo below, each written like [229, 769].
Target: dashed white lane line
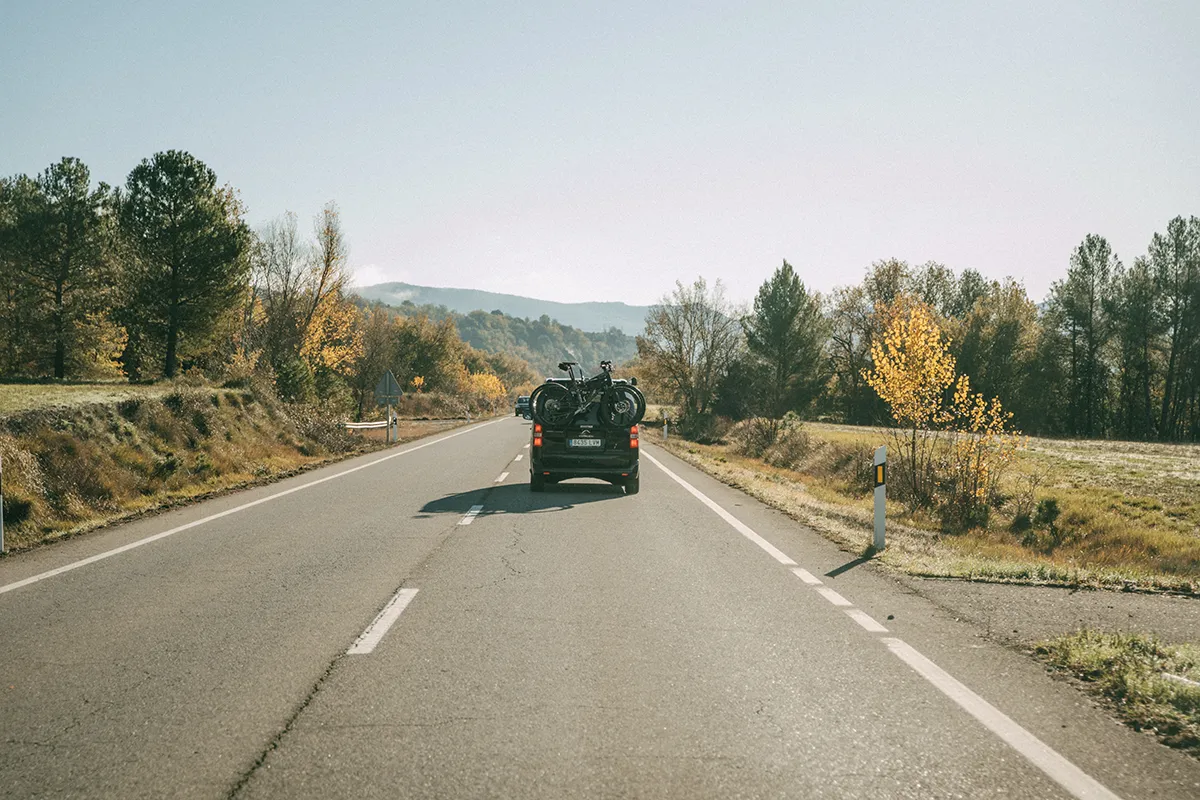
[865, 620]
[832, 596]
[195, 523]
[526, 445]
[1063, 772]
[501, 478]
[1055, 766]
[736, 523]
[470, 515]
[382, 622]
[806, 576]
[519, 457]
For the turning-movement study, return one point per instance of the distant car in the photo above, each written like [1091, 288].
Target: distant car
[522, 406]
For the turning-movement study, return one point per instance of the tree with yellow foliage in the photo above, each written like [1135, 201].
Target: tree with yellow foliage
[486, 389]
[333, 340]
[913, 370]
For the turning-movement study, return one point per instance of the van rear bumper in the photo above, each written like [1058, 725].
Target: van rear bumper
[569, 467]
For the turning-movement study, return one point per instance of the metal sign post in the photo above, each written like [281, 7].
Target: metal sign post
[880, 496]
[387, 391]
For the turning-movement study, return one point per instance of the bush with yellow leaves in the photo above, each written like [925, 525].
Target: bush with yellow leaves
[951, 451]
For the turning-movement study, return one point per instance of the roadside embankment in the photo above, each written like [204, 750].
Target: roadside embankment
[68, 469]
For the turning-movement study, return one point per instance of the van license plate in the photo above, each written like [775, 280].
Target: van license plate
[585, 443]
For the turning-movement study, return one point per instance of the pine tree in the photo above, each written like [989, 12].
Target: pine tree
[786, 335]
[189, 247]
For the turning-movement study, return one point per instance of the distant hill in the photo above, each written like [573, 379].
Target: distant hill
[592, 317]
[540, 343]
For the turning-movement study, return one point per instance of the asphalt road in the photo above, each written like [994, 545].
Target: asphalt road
[345, 634]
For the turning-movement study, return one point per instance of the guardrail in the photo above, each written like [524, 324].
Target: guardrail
[357, 426]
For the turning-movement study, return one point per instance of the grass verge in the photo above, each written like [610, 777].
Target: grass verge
[1130, 672]
[1103, 539]
[71, 469]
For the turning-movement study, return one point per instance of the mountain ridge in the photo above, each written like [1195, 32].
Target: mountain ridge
[592, 317]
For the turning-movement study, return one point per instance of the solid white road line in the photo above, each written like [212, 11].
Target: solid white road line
[736, 523]
[382, 623]
[155, 537]
[832, 596]
[519, 457]
[866, 620]
[1063, 772]
[500, 479]
[470, 515]
[1059, 769]
[806, 576]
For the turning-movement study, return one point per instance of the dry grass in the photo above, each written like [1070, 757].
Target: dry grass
[73, 468]
[18, 397]
[1129, 512]
[1131, 673]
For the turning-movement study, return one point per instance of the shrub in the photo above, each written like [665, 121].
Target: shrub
[791, 447]
[705, 428]
[753, 436]
[321, 429]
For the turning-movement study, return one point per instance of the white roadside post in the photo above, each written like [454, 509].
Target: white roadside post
[880, 496]
[1, 504]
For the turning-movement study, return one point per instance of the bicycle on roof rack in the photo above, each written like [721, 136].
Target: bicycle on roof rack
[557, 402]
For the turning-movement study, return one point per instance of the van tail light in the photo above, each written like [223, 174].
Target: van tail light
[537, 441]
[537, 427]
[537, 434]
[633, 437]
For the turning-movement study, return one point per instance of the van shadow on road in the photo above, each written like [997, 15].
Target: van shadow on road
[518, 499]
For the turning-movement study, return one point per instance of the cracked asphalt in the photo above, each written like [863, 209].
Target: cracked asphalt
[576, 643]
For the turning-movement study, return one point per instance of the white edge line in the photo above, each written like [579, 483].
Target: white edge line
[164, 534]
[865, 620]
[1059, 769]
[382, 623]
[737, 524]
[832, 596]
[501, 478]
[806, 576]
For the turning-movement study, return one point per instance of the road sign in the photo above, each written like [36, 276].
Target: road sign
[387, 391]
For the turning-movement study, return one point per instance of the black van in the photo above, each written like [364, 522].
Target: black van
[584, 449]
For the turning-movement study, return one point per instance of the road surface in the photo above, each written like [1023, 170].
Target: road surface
[416, 623]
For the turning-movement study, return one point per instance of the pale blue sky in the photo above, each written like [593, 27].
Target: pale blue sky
[603, 151]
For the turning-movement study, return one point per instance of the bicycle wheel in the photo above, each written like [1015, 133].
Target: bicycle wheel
[622, 406]
[551, 405]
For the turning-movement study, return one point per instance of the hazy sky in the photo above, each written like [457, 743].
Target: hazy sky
[603, 151]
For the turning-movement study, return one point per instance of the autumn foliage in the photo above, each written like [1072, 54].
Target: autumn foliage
[952, 445]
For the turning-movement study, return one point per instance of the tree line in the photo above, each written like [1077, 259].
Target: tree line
[1113, 351]
[162, 274]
